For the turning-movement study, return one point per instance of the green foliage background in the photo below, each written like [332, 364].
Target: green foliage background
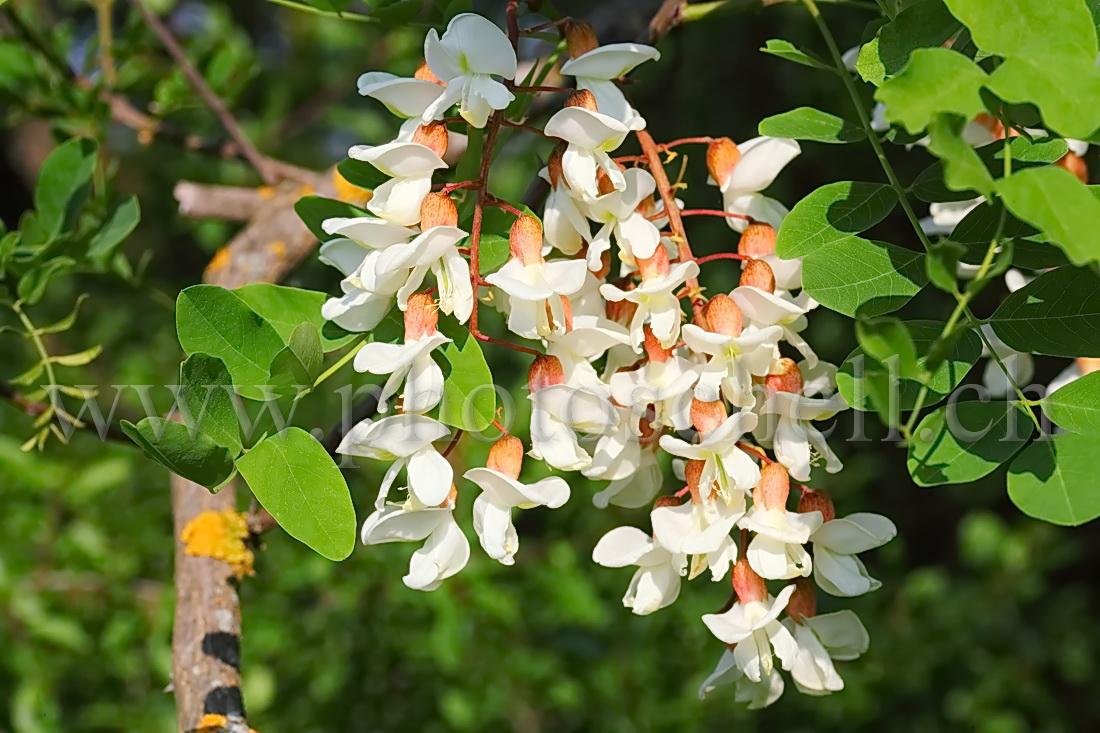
[983, 622]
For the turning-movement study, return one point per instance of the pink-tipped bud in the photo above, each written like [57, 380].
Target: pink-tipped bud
[663, 501]
[653, 348]
[706, 416]
[553, 164]
[816, 500]
[724, 316]
[580, 38]
[434, 137]
[758, 274]
[789, 379]
[621, 311]
[506, 456]
[424, 73]
[1075, 165]
[437, 210]
[722, 156]
[582, 98]
[773, 489]
[803, 603]
[545, 371]
[421, 317]
[525, 240]
[757, 240]
[747, 584]
[656, 266]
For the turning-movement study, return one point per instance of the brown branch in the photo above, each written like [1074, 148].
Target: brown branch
[213, 101]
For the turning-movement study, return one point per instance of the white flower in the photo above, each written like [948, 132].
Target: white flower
[406, 440]
[565, 225]
[821, 639]
[793, 433]
[757, 694]
[776, 552]
[435, 250]
[444, 554]
[945, 216]
[597, 70]
[635, 490]
[618, 214]
[618, 452]
[656, 584]
[589, 338]
[493, 507]
[664, 385]
[1020, 366]
[761, 160]
[657, 304]
[764, 309]
[756, 632]
[836, 543]
[407, 98]
[734, 361]
[534, 289]
[410, 166]
[702, 530]
[411, 363]
[471, 51]
[724, 461]
[591, 136]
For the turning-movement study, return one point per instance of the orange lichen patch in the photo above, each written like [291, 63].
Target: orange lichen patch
[348, 192]
[212, 723]
[218, 261]
[277, 249]
[220, 535]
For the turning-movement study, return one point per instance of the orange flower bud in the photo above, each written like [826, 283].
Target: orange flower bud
[722, 156]
[653, 348]
[656, 266]
[758, 274]
[816, 500]
[724, 316]
[757, 240]
[424, 73]
[1075, 165]
[545, 371]
[437, 210]
[433, 136]
[788, 380]
[663, 501]
[621, 311]
[693, 473]
[580, 38]
[582, 98]
[773, 489]
[421, 317]
[553, 164]
[604, 184]
[506, 456]
[706, 416]
[525, 240]
[803, 603]
[747, 584]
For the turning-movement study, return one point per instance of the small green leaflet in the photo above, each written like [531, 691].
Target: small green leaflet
[295, 367]
[832, 213]
[1054, 479]
[924, 23]
[122, 220]
[859, 275]
[295, 479]
[935, 80]
[286, 308]
[193, 455]
[964, 441]
[1054, 200]
[65, 173]
[807, 123]
[963, 169]
[314, 210]
[789, 52]
[1057, 313]
[207, 400]
[1076, 406]
[469, 396]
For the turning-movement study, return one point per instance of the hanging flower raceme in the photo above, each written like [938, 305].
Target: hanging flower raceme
[656, 301]
[742, 171]
[410, 166]
[590, 135]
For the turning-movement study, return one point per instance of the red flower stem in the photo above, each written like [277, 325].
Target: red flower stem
[454, 442]
[685, 141]
[723, 256]
[714, 212]
[631, 159]
[649, 148]
[679, 494]
[515, 347]
[563, 90]
[449, 187]
[521, 126]
[498, 203]
[543, 26]
[513, 23]
[503, 430]
[755, 451]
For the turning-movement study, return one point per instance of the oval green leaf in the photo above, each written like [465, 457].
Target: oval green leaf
[1055, 480]
[1057, 313]
[964, 441]
[833, 213]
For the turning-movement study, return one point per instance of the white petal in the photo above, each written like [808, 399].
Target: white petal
[586, 129]
[855, 533]
[842, 633]
[483, 47]
[761, 161]
[403, 97]
[621, 546]
[430, 476]
[610, 61]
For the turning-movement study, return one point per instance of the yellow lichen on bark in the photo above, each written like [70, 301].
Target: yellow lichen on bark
[220, 535]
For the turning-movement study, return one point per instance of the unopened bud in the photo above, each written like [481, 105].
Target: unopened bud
[605, 266]
[803, 602]
[747, 584]
[437, 210]
[525, 240]
[758, 274]
[722, 156]
[424, 73]
[553, 164]
[816, 500]
[647, 434]
[656, 266]
[582, 98]
[506, 456]
[706, 416]
[545, 371]
[663, 501]
[421, 317]
[1075, 165]
[580, 38]
[757, 240]
[996, 127]
[724, 316]
[452, 497]
[653, 348]
[434, 137]
[773, 489]
[621, 311]
[693, 473]
[789, 379]
[1088, 364]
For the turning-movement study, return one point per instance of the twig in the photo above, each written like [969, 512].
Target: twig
[213, 101]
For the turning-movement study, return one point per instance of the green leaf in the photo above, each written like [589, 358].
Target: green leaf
[1049, 52]
[469, 397]
[32, 285]
[856, 274]
[807, 123]
[300, 362]
[78, 359]
[493, 251]
[195, 456]
[858, 370]
[888, 340]
[361, 173]
[789, 52]
[1076, 406]
[67, 322]
[929, 185]
[1054, 480]
[286, 308]
[963, 169]
[964, 441]
[66, 171]
[935, 80]
[314, 210]
[1054, 200]
[941, 265]
[206, 400]
[295, 479]
[1057, 313]
[924, 23]
[832, 213]
[218, 322]
[119, 224]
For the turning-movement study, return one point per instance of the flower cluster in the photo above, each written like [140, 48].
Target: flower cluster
[620, 373]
